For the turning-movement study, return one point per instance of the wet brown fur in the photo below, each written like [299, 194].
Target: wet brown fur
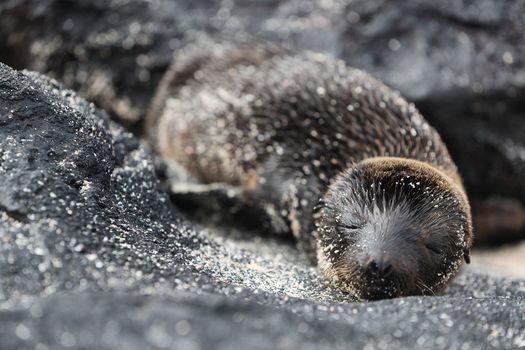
[446, 180]
[285, 129]
[383, 169]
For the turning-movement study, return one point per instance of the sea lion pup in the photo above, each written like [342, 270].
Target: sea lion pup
[367, 187]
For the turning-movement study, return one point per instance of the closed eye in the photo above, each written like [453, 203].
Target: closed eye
[433, 248]
[349, 227]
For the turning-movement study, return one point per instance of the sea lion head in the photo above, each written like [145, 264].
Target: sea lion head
[392, 227]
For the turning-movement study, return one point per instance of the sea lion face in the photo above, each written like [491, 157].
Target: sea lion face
[392, 227]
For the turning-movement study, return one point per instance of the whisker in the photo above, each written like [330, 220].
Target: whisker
[421, 284]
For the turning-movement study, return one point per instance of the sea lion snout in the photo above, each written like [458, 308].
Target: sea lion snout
[380, 280]
[379, 267]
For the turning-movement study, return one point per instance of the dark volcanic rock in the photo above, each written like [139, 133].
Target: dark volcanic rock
[112, 320]
[111, 52]
[92, 255]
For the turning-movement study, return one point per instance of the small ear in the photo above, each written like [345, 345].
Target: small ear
[466, 255]
[320, 205]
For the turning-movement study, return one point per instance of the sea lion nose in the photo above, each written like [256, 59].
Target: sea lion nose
[379, 267]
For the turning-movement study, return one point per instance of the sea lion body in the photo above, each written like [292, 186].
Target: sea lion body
[282, 128]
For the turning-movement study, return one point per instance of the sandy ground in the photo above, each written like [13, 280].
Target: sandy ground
[507, 260]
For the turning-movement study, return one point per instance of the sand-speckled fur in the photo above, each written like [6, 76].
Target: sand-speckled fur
[284, 127]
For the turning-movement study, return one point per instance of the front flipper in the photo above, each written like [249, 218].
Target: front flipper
[290, 199]
[301, 211]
